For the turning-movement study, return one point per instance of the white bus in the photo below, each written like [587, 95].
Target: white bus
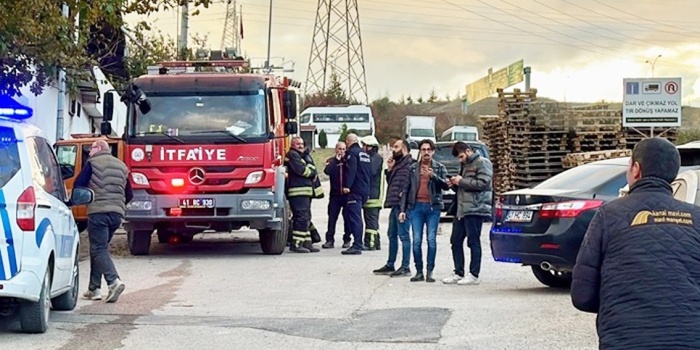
[460, 133]
[331, 120]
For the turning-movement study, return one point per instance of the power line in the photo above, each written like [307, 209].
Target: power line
[644, 18]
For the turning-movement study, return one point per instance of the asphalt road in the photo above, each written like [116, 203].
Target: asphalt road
[220, 292]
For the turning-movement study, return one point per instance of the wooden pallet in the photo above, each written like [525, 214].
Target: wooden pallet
[576, 159]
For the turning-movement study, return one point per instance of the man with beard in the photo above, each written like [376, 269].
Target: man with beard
[373, 206]
[473, 197]
[399, 174]
[300, 190]
[428, 180]
[357, 188]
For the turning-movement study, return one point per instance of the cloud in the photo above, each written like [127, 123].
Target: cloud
[412, 46]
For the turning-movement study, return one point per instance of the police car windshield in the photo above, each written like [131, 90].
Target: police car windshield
[242, 114]
[9, 155]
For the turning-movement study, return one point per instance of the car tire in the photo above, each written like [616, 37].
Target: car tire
[273, 242]
[552, 278]
[68, 300]
[139, 242]
[34, 316]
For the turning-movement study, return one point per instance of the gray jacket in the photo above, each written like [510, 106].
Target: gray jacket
[474, 192]
[109, 181]
[436, 185]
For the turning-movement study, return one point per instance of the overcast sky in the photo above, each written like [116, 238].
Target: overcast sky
[579, 50]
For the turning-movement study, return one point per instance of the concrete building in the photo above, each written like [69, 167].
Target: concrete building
[81, 114]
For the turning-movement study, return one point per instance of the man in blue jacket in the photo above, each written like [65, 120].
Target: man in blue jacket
[357, 188]
[639, 264]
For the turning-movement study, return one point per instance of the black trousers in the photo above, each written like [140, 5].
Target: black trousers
[335, 205]
[354, 217]
[468, 227]
[301, 219]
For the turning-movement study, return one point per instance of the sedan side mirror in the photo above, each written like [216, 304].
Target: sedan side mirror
[81, 196]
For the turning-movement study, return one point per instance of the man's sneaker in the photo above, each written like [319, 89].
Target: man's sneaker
[402, 272]
[347, 245]
[469, 280]
[351, 251]
[328, 245]
[452, 279]
[93, 294]
[384, 270]
[115, 290]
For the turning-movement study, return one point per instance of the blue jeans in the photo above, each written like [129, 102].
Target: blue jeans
[399, 230]
[424, 215]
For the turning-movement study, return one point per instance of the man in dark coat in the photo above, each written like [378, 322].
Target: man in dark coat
[639, 264]
[356, 187]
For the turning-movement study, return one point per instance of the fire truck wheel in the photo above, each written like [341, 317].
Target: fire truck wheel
[273, 242]
[139, 242]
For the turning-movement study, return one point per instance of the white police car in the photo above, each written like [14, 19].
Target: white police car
[38, 236]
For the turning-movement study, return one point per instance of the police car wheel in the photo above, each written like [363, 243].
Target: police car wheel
[34, 316]
[68, 300]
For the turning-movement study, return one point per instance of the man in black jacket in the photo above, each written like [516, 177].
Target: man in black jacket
[357, 188]
[335, 169]
[399, 178]
[639, 264]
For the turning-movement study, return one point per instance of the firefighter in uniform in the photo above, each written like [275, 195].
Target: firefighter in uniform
[318, 194]
[300, 190]
[376, 193]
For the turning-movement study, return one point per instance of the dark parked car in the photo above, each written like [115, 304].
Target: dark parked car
[543, 227]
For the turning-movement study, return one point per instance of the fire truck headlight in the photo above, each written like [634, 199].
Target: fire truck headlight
[255, 205]
[254, 178]
[139, 179]
[140, 205]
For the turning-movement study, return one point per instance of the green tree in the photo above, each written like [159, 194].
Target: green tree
[433, 96]
[343, 133]
[37, 40]
[322, 139]
[420, 100]
[335, 91]
[409, 100]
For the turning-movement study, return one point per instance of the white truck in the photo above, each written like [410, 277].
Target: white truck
[419, 128]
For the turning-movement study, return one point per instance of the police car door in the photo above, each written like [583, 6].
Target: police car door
[52, 214]
[12, 187]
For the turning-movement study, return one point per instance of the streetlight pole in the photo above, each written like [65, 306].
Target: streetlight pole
[653, 63]
[269, 37]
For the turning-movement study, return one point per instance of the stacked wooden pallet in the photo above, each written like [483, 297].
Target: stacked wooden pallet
[634, 135]
[572, 160]
[495, 136]
[595, 128]
[536, 134]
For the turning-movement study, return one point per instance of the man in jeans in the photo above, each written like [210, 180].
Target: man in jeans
[399, 175]
[428, 180]
[473, 197]
[108, 177]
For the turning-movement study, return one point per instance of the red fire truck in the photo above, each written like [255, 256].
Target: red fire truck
[205, 144]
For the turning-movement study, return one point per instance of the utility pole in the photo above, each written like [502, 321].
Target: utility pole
[184, 16]
[269, 38]
[60, 109]
[653, 63]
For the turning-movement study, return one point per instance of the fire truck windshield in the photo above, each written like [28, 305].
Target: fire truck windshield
[242, 114]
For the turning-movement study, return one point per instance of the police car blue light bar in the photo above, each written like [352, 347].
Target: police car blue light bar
[9, 108]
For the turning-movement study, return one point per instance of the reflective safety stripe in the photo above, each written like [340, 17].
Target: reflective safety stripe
[307, 172]
[301, 236]
[373, 203]
[300, 191]
[318, 191]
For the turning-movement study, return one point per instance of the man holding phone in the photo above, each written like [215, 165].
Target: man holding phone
[473, 191]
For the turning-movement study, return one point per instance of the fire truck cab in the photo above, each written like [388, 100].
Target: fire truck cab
[205, 144]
